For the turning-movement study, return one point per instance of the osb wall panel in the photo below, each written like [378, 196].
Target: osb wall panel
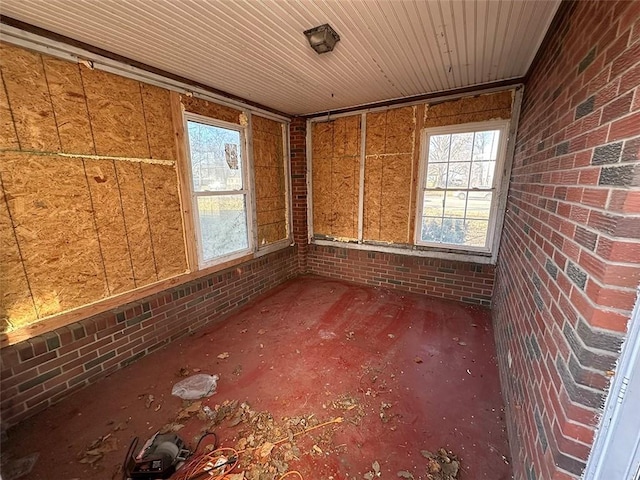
[211, 110]
[15, 299]
[103, 220]
[269, 172]
[136, 221]
[470, 109]
[389, 170]
[26, 86]
[55, 231]
[69, 105]
[165, 219]
[110, 223]
[117, 118]
[157, 113]
[336, 177]
[8, 135]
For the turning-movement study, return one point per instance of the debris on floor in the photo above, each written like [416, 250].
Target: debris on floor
[196, 386]
[12, 469]
[96, 450]
[442, 465]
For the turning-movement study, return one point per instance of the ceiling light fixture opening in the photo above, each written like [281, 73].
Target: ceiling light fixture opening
[322, 38]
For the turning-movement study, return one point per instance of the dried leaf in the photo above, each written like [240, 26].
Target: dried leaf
[149, 401]
[376, 467]
[417, 360]
[223, 355]
[369, 476]
[405, 474]
[265, 449]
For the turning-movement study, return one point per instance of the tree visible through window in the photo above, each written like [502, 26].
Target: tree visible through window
[459, 185]
[218, 189]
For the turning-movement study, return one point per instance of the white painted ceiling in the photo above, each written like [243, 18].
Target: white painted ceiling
[255, 49]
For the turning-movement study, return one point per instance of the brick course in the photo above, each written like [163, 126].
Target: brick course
[47, 368]
[569, 263]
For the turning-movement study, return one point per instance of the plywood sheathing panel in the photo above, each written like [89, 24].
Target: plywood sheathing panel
[470, 109]
[116, 112]
[109, 219]
[8, 135]
[28, 94]
[336, 177]
[395, 196]
[210, 109]
[389, 167]
[269, 174]
[134, 206]
[70, 106]
[161, 190]
[51, 208]
[157, 114]
[16, 302]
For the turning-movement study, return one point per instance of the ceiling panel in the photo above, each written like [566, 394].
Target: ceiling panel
[255, 49]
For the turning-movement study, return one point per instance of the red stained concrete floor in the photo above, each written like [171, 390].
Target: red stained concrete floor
[432, 361]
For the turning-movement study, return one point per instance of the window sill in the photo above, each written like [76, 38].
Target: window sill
[410, 250]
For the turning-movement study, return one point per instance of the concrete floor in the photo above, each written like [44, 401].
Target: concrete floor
[421, 373]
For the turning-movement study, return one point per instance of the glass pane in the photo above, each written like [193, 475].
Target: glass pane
[436, 175]
[216, 158]
[433, 204]
[476, 233]
[453, 231]
[439, 148]
[482, 174]
[485, 145]
[454, 203]
[461, 147]
[458, 175]
[431, 229]
[478, 204]
[223, 225]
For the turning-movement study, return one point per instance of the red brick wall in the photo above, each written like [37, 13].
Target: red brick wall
[459, 281]
[298, 145]
[570, 253]
[47, 368]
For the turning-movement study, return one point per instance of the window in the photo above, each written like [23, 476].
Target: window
[219, 192]
[460, 181]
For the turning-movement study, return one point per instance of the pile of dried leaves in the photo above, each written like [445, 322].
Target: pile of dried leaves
[442, 465]
[266, 445]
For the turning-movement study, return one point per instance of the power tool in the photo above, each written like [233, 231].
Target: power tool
[158, 458]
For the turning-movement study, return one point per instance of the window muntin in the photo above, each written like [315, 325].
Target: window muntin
[219, 189]
[459, 186]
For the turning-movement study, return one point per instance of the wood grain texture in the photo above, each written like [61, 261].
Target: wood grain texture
[69, 105]
[134, 207]
[8, 135]
[16, 303]
[28, 95]
[157, 113]
[49, 202]
[109, 219]
[210, 109]
[116, 112]
[395, 198]
[470, 109]
[163, 202]
[270, 181]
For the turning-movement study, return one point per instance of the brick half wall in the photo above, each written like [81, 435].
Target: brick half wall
[452, 280]
[44, 370]
[569, 261]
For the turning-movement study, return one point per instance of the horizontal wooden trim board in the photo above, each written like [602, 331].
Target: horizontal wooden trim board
[56, 321]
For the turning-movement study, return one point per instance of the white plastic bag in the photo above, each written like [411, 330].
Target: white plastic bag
[196, 386]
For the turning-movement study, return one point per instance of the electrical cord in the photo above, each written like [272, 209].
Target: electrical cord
[215, 443]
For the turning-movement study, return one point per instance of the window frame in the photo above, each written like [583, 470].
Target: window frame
[499, 187]
[247, 189]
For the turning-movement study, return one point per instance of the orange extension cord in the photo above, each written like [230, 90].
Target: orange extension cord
[203, 466]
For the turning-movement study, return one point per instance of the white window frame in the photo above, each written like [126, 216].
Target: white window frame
[246, 190]
[498, 187]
